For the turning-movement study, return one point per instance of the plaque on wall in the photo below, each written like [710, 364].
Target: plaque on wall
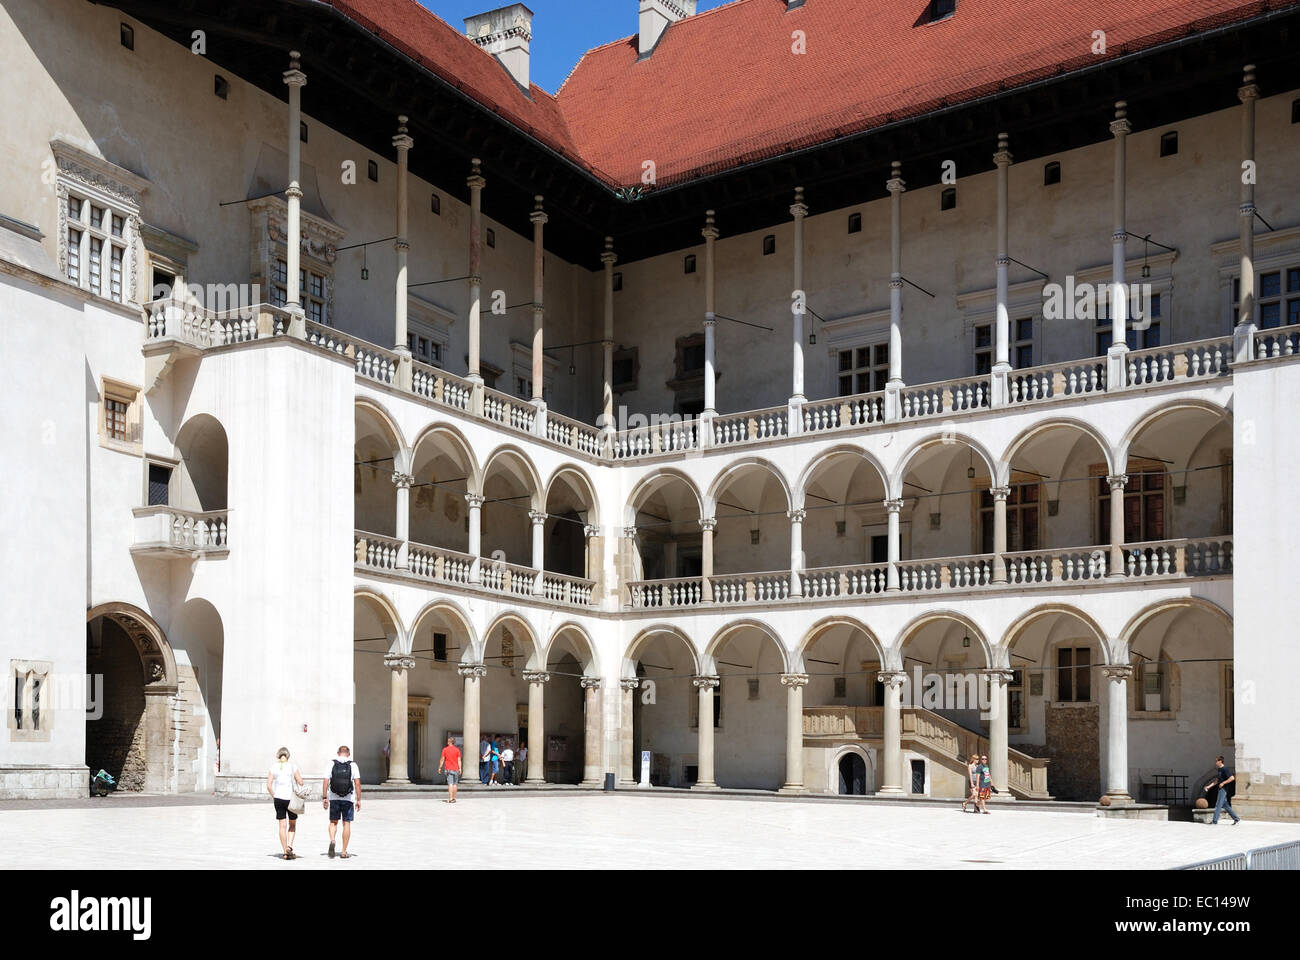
[1035, 684]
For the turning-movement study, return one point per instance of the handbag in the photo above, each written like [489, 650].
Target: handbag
[297, 805]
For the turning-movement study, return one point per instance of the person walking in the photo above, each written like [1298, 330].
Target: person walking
[450, 762]
[973, 782]
[1225, 780]
[985, 784]
[280, 781]
[507, 764]
[340, 793]
[494, 764]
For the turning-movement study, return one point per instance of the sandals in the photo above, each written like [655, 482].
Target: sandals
[345, 855]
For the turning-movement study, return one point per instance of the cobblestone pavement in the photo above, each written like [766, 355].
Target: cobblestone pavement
[625, 830]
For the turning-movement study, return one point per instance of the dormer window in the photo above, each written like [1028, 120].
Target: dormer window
[941, 10]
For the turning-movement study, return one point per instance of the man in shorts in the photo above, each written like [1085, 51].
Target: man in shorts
[341, 794]
[450, 762]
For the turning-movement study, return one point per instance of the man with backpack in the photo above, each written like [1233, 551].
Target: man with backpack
[341, 795]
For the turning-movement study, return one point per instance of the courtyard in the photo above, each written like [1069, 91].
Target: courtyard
[627, 830]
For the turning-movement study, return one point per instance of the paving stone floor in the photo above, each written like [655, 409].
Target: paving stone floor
[624, 830]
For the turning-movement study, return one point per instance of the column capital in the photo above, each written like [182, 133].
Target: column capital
[475, 500]
[608, 256]
[394, 661]
[476, 671]
[710, 231]
[894, 505]
[794, 679]
[1117, 482]
[1000, 493]
[1000, 676]
[1120, 127]
[798, 209]
[403, 481]
[536, 676]
[537, 516]
[708, 524]
[891, 678]
[590, 683]
[590, 530]
[1117, 671]
[796, 516]
[629, 683]
[538, 215]
[1247, 210]
[294, 76]
[475, 179]
[896, 184]
[629, 532]
[293, 191]
[1002, 157]
[1249, 90]
[710, 318]
[710, 683]
[402, 141]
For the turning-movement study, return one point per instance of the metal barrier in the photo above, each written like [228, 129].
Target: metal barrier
[1280, 856]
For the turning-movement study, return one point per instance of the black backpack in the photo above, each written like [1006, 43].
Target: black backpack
[341, 778]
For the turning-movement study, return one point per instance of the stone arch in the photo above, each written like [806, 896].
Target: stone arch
[653, 481]
[1039, 428]
[583, 647]
[646, 634]
[905, 462]
[1125, 445]
[720, 638]
[385, 610]
[388, 424]
[156, 655]
[579, 482]
[527, 474]
[815, 632]
[838, 753]
[453, 611]
[457, 439]
[1120, 653]
[820, 460]
[199, 481]
[729, 472]
[931, 616]
[510, 618]
[1014, 631]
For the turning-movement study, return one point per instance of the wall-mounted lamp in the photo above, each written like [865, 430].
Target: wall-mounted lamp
[965, 641]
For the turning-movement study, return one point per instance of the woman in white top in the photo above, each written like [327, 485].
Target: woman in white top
[279, 784]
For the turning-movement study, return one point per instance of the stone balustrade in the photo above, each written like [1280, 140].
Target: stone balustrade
[750, 587]
[1185, 558]
[509, 411]
[198, 326]
[867, 723]
[939, 399]
[1270, 344]
[439, 564]
[570, 591]
[372, 362]
[571, 433]
[850, 581]
[1074, 379]
[678, 592]
[751, 425]
[440, 386]
[171, 531]
[1056, 566]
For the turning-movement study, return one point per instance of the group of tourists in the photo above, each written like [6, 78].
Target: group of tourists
[496, 766]
[340, 794]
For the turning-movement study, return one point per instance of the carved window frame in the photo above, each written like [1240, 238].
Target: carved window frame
[25, 678]
[319, 244]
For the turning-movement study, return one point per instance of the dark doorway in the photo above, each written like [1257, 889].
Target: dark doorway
[853, 775]
[918, 776]
[115, 734]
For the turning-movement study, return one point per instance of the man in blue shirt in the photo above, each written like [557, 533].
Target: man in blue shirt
[1224, 780]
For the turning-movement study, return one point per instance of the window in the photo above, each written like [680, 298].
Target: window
[1151, 685]
[689, 263]
[941, 9]
[753, 688]
[1137, 339]
[96, 247]
[1278, 297]
[302, 130]
[626, 368]
[221, 86]
[983, 349]
[492, 241]
[160, 478]
[372, 170]
[1295, 111]
[99, 205]
[127, 34]
[948, 199]
[440, 647]
[424, 349]
[119, 420]
[1144, 504]
[855, 223]
[1169, 143]
[841, 688]
[435, 204]
[618, 281]
[29, 679]
[1051, 173]
[1016, 701]
[1023, 348]
[1023, 514]
[863, 369]
[1073, 675]
[769, 245]
[311, 291]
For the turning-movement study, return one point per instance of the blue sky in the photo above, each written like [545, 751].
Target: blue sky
[563, 30]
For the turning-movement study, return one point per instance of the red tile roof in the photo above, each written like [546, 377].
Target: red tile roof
[724, 88]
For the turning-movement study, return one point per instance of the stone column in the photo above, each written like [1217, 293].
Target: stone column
[591, 765]
[626, 737]
[704, 755]
[475, 502]
[1117, 484]
[794, 684]
[476, 184]
[799, 210]
[796, 550]
[710, 234]
[403, 143]
[1117, 732]
[707, 524]
[999, 762]
[296, 80]
[608, 258]
[397, 711]
[894, 507]
[891, 773]
[1000, 495]
[1117, 363]
[893, 387]
[538, 517]
[539, 219]
[403, 482]
[1244, 334]
[1002, 322]
[473, 674]
[537, 680]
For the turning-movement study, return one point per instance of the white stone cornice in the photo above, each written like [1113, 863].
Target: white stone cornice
[85, 168]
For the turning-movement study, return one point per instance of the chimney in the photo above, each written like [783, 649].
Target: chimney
[505, 33]
[655, 17]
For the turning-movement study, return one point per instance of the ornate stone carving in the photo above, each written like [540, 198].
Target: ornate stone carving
[711, 683]
[891, 678]
[394, 661]
[1116, 671]
[476, 670]
[794, 679]
[537, 676]
[590, 683]
[475, 500]
[403, 480]
[629, 683]
[796, 516]
[1117, 482]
